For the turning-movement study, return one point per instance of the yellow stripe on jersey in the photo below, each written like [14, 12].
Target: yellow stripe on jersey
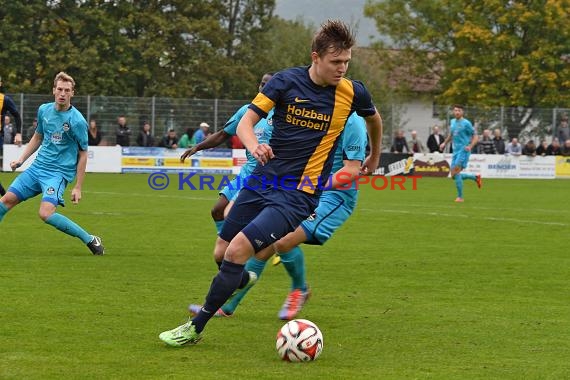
[344, 95]
[1, 106]
[263, 102]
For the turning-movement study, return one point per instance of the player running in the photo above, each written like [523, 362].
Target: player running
[62, 135]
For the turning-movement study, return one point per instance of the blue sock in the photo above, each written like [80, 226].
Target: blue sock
[65, 225]
[459, 184]
[253, 265]
[3, 210]
[223, 285]
[294, 263]
[470, 176]
[219, 224]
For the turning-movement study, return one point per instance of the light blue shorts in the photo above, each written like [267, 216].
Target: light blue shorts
[231, 191]
[33, 182]
[460, 159]
[331, 213]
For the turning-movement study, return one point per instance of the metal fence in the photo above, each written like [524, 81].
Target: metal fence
[182, 113]
[162, 113]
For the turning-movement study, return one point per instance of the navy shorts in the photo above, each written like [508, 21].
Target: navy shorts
[265, 215]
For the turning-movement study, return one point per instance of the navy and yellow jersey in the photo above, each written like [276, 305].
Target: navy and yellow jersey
[7, 105]
[307, 122]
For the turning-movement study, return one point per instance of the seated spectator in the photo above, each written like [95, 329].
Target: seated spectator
[541, 149]
[94, 135]
[417, 146]
[201, 133]
[169, 140]
[31, 130]
[565, 150]
[187, 139]
[486, 145]
[498, 141]
[399, 143]
[514, 147]
[554, 148]
[529, 148]
[145, 137]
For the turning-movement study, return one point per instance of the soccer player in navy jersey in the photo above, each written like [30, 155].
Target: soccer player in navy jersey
[311, 107]
[463, 138]
[7, 105]
[336, 204]
[62, 135]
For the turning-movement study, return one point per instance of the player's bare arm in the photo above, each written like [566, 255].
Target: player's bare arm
[79, 176]
[343, 177]
[32, 146]
[212, 141]
[262, 152]
[374, 127]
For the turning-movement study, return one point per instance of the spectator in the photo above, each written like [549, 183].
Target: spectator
[201, 133]
[399, 143]
[434, 141]
[565, 150]
[486, 145]
[514, 147]
[417, 145]
[170, 140]
[554, 148]
[541, 149]
[187, 139]
[8, 130]
[498, 141]
[145, 137]
[94, 135]
[123, 132]
[563, 133]
[31, 130]
[529, 148]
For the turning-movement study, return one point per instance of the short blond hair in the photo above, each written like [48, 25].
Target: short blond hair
[62, 76]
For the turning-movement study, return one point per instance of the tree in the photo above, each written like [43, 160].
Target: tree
[488, 53]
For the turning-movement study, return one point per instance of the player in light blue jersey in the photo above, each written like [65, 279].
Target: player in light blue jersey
[62, 135]
[463, 139]
[336, 204]
[230, 192]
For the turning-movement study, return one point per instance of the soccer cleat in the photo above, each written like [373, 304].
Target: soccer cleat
[195, 309]
[2, 190]
[294, 303]
[96, 246]
[459, 200]
[184, 334]
[276, 260]
[479, 181]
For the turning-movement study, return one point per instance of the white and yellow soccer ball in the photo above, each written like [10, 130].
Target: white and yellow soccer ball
[299, 340]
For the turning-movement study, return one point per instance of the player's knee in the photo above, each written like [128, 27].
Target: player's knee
[239, 250]
[44, 214]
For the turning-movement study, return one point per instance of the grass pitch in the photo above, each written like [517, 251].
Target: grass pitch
[414, 286]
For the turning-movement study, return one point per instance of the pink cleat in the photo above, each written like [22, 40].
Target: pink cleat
[459, 200]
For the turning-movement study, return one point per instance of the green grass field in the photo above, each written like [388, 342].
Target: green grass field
[414, 286]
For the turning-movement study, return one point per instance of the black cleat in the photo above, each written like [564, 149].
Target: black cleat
[2, 191]
[96, 246]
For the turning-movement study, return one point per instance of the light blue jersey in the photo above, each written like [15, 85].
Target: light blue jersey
[64, 135]
[462, 132]
[352, 146]
[336, 205]
[263, 130]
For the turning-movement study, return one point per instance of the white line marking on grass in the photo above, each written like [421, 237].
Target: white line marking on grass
[150, 195]
[490, 218]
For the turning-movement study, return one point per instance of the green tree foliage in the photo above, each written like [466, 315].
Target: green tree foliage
[174, 48]
[489, 53]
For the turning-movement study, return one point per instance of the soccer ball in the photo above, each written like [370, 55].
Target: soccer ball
[299, 340]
